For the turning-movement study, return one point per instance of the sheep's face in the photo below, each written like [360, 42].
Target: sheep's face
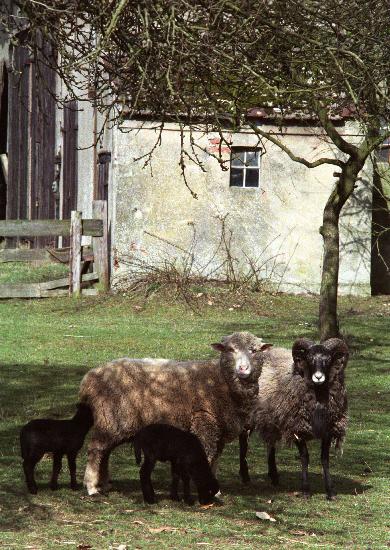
[316, 362]
[242, 354]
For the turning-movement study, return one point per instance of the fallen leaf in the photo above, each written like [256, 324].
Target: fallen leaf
[298, 533]
[199, 295]
[138, 522]
[231, 309]
[264, 516]
[210, 303]
[270, 501]
[128, 511]
[122, 547]
[84, 547]
[206, 506]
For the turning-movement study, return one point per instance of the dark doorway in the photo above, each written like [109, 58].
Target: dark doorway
[380, 254]
[3, 139]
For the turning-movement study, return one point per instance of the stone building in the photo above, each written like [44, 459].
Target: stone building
[260, 213]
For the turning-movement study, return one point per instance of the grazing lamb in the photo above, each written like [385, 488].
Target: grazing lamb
[162, 442]
[60, 437]
[301, 401]
[211, 398]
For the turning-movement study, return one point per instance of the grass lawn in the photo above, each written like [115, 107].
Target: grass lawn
[47, 346]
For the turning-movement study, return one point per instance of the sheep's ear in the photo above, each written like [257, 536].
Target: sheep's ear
[218, 346]
[264, 347]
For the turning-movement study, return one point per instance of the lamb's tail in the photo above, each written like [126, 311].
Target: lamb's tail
[137, 452]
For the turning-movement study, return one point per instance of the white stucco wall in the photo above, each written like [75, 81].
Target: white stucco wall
[277, 224]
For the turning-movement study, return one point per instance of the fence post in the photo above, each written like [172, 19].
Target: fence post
[100, 245]
[75, 254]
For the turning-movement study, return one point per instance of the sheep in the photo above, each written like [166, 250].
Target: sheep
[299, 401]
[210, 398]
[162, 442]
[60, 437]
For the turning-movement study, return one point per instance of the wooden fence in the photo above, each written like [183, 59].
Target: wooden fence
[79, 258]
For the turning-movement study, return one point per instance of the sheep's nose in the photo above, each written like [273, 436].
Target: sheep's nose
[318, 377]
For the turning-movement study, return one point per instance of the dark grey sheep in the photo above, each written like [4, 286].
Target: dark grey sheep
[301, 400]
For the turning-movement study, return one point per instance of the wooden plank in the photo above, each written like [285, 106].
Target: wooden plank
[24, 255]
[43, 290]
[100, 244]
[75, 254]
[20, 291]
[47, 228]
[55, 255]
[93, 228]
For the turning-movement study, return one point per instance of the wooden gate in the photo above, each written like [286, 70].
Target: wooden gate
[79, 258]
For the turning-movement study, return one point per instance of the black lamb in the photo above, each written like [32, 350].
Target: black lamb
[60, 437]
[162, 442]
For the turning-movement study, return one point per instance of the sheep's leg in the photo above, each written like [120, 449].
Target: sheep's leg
[146, 483]
[104, 474]
[28, 467]
[186, 487]
[72, 470]
[304, 454]
[96, 455]
[325, 446]
[272, 469]
[175, 472]
[244, 472]
[57, 464]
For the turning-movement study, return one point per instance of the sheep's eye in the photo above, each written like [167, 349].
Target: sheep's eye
[232, 349]
[252, 350]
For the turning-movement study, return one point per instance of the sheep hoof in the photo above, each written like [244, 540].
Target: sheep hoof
[54, 486]
[75, 486]
[92, 491]
[175, 497]
[33, 490]
[190, 501]
[306, 495]
[331, 497]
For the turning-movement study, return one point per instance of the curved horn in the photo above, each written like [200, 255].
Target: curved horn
[300, 348]
[338, 348]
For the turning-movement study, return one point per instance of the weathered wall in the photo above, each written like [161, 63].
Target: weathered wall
[155, 216]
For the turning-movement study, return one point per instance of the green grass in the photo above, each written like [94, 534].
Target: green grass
[47, 346]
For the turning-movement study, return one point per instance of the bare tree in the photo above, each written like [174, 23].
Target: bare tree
[208, 62]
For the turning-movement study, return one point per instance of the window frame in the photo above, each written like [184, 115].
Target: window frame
[244, 149]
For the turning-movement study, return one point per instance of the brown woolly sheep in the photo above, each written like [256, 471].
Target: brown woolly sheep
[211, 398]
[299, 401]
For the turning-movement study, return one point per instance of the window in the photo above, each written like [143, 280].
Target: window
[244, 167]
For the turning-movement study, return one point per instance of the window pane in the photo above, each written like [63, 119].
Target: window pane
[236, 177]
[252, 178]
[252, 158]
[238, 158]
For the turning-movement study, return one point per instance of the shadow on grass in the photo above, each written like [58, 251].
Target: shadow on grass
[18, 510]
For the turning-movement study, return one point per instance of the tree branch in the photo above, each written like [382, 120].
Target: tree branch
[273, 139]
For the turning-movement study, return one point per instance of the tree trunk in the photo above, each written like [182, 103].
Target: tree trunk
[328, 318]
